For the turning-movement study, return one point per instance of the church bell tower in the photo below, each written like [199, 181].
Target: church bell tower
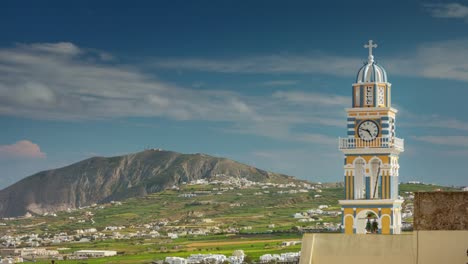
[371, 150]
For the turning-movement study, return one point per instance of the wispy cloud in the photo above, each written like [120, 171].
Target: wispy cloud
[315, 63]
[436, 121]
[456, 141]
[312, 98]
[61, 48]
[441, 60]
[317, 139]
[21, 149]
[448, 10]
[279, 83]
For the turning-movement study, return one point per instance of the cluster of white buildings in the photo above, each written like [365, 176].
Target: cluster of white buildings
[315, 215]
[10, 260]
[222, 179]
[236, 258]
[235, 182]
[293, 191]
[114, 228]
[94, 253]
[290, 257]
[37, 252]
[18, 255]
[86, 231]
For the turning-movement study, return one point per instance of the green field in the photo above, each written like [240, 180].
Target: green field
[235, 208]
[147, 250]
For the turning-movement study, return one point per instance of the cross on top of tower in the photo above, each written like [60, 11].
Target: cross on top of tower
[370, 46]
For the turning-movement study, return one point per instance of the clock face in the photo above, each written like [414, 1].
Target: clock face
[368, 130]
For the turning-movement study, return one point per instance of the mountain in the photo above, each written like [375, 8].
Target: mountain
[101, 179]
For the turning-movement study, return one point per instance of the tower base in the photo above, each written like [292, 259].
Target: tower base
[379, 216]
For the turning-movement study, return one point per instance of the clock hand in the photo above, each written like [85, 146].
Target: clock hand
[368, 131]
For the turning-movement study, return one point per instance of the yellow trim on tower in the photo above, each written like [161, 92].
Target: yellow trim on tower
[386, 211]
[348, 223]
[375, 210]
[385, 222]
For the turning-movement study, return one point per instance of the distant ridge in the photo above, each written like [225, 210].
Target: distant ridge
[101, 179]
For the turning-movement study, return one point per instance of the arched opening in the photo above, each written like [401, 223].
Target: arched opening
[374, 178]
[359, 184]
[367, 222]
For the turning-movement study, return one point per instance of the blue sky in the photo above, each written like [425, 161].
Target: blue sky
[261, 82]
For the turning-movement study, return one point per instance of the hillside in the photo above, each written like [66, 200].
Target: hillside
[100, 179]
[225, 205]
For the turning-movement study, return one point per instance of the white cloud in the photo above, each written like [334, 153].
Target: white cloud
[448, 10]
[21, 149]
[60, 81]
[63, 81]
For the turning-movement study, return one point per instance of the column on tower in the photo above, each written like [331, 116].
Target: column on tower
[394, 178]
[389, 177]
[349, 184]
[375, 171]
[385, 183]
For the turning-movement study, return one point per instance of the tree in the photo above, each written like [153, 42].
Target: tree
[375, 226]
[248, 259]
[368, 226]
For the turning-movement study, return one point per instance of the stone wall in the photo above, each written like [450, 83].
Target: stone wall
[441, 211]
[418, 247]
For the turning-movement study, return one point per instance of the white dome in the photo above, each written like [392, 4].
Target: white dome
[371, 72]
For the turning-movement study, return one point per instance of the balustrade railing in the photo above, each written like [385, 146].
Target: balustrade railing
[380, 142]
